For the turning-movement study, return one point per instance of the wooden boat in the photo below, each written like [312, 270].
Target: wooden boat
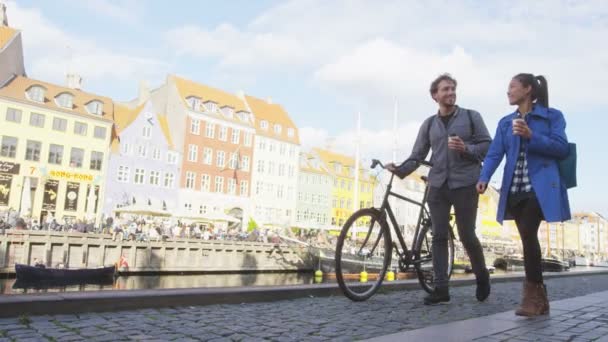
[514, 263]
[26, 273]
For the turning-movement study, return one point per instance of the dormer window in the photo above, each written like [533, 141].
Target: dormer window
[95, 107]
[264, 124]
[211, 106]
[290, 132]
[277, 129]
[193, 102]
[242, 115]
[228, 112]
[338, 167]
[36, 93]
[65, 100]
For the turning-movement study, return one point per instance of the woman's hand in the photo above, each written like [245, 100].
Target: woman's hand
[521, 128]
[481, 187]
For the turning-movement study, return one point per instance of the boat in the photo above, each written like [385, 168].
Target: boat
[516, 262]
[29, 274]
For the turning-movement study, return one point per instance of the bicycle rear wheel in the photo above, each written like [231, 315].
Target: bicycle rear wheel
[424, 258]
[361, 262]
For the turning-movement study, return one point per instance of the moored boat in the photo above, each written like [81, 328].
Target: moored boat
[26, 273]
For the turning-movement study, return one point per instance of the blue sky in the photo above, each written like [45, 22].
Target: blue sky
[324, 61]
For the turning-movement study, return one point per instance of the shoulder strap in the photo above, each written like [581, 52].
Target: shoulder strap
[471, 122]
[428, 128]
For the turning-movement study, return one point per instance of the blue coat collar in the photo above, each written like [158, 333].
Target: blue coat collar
[538, 110]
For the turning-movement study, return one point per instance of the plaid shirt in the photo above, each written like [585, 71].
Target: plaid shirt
[521, 181]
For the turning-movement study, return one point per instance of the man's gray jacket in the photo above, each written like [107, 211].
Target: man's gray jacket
[458, 169]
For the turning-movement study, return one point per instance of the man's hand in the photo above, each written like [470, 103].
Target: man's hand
[481, 187]
[391, 167]
[456, 144]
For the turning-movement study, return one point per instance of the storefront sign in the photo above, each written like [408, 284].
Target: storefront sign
[49, 201]
[5, 188]
[71, 175]
[8, 167]
[71, 197]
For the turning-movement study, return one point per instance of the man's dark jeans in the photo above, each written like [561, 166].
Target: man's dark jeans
[465, 202]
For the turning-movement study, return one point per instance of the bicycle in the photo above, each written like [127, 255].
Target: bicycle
[354, 257]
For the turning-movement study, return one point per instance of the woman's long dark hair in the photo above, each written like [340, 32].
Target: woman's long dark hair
[540, 90]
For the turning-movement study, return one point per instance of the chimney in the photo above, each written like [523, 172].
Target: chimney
[3, 17]
[269, 100]
[144, 92]
[240, 94]
[74, 81]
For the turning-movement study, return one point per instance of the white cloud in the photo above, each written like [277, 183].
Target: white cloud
[50, 52]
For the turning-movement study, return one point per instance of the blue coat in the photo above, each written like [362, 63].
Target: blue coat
[547, 145]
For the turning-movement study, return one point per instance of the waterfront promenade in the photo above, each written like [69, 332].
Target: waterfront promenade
[336, 318]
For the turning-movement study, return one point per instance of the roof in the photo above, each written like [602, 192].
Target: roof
[125, 116]
[329, 158]
[16, 88]
[6, 35]
[187, 88]
[307, 164]
[273, 114]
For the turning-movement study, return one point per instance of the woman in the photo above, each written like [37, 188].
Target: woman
[533, 139]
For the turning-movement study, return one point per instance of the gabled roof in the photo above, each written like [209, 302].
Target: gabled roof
[187, 88]
[125, 116]
[273, 114]
[307, 164]
[6, 35]
[330, 158]
[17, 87]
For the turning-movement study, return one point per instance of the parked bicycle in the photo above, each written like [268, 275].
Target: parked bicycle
[366, 248]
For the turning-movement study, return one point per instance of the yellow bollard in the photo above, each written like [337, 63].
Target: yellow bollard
[390, 276]
[318, 273]
[318, 280]
[363, 277]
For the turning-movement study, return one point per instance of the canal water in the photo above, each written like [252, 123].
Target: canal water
[138, 282]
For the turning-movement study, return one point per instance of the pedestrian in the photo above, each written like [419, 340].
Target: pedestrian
[533, 139]
[459, 140]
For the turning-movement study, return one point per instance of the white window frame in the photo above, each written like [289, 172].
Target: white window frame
[169, 181]
[124, 173]
[139, 176]
[156, 154]
[210, 130]
[248, 139]
[264, 125]
[221, 158]
[65, 100]
[208, 156]
[190, 179]
[245, 163]
[192, 153]
[95, 107]
[223, 134]
[219, 184]
[146, 132]
[155, 178]
[36, 93]
[244, 188]
[195, 126]
[205, 182]
[231, 186]
[236, 136]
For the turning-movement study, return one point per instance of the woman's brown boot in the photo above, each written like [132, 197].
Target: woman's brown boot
[534, 300]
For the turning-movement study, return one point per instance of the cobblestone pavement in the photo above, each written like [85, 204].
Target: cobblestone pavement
[305, 319]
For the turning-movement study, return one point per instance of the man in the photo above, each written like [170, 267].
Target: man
[459, 140]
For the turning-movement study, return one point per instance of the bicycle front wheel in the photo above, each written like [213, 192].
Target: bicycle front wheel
[363, 253]
[423, 258]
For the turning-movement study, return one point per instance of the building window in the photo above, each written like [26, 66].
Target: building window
[195, 126]
[234, 161]
[36, 120]
[99, 132]
[156, 154]
[261, 143]
[270, 146]
[264, 125]
[190, 179]
[236, 136]
[55, 154]
[36, 93]
[95, 107]
[248, 139]
[139, 176]
[260, 166]
[171, 157]
[244, 188]
[280, 192]
[223, 133]
[9, 147]
[259, 186]
[188, 206]
[125, 149]
[76, 157]
[290, 132]
[202, 209]
[245, 163]
[146, 132]
[292, 151]
[290, 171]
[155, 178]
[169, 180]
[281, 170]
[270, 168]
[219, 184]
[210, 130]
[228, 112]
[211, 106]
[32, 151]
[193, 102]
[123, 174]
[142, 151]
[96, 160]
[80, 128]
[277, 129]
[282, 148]
[232, 186]
[65, 100]
[221, 158]
[60, 124]
[192, 153]
[13, 115]
[208, 156]
[205, 182]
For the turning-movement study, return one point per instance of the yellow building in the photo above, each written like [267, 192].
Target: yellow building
[342, 170]
[55, 147]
